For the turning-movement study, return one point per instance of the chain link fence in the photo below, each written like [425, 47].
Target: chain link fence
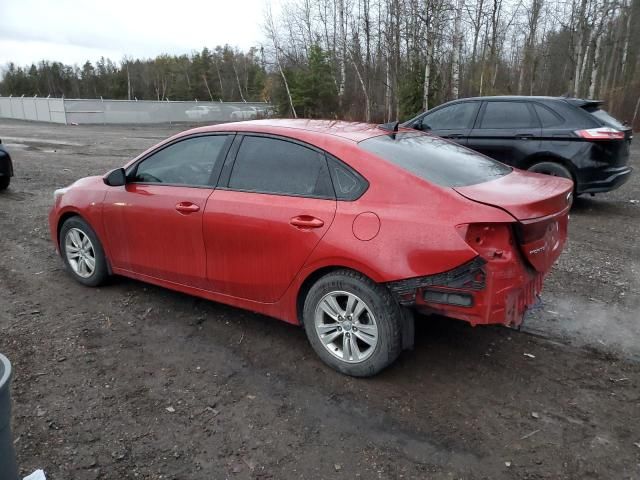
[87, 111]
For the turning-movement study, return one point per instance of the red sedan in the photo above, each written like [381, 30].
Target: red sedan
[344, 228]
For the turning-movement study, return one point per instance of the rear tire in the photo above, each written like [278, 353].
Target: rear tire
[551, 168]
[353, 324]
[82, 253]
[4, 182]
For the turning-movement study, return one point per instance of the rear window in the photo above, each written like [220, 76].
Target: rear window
[431, 158]
[605, 118]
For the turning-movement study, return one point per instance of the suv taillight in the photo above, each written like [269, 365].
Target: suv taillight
[601, 133]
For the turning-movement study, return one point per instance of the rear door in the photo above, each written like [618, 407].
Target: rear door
[273, 205]
[506, 130]
[450, 121]
[154, 222]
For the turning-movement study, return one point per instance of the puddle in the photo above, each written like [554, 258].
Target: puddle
[22, 146]
[48, 141]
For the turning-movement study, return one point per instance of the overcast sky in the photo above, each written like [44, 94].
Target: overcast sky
[73, 31]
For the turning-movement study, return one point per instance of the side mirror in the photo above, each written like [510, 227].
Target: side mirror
[115, 178]
[425, 127]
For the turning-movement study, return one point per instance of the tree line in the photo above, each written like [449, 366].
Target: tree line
[222, 74]
[380, 60]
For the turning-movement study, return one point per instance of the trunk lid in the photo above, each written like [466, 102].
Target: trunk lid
[539, 203]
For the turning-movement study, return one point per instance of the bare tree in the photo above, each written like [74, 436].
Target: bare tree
[272, 33]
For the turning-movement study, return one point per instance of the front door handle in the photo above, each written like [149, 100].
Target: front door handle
[524, 136]
[187, 207]
[306, 221]
[455, 135]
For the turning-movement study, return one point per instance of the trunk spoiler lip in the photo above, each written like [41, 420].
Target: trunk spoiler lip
[583, 102]
[544, 218]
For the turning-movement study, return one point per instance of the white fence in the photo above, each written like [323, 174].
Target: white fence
[84, 111]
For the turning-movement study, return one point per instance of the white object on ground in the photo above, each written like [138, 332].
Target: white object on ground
[37, 475]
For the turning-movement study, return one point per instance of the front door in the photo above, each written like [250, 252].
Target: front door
[154, 222]
[265, 220]
[453, 122]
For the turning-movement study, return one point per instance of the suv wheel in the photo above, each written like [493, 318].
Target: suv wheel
[4, 182]
[551, 168]
[352, 323]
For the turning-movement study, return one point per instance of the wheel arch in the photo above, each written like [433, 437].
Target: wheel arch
[306, 285]
[63, 218]
[73, 213]
[312, 277]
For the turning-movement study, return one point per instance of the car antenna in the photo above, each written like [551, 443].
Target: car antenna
[391, 127]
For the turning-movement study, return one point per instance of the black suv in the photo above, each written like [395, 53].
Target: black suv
[6, 168]
[567, 137]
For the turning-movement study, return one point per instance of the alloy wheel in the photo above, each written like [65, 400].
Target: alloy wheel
[346, 326]
[80, 253]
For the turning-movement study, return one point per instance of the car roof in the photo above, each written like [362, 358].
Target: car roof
[510, 97]
[572, 100]
[354, 131]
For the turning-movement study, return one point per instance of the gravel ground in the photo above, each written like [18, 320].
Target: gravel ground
[134, 381]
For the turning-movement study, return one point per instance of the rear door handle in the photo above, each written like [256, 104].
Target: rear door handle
[187, 207]
[306, 221]
[524, 136]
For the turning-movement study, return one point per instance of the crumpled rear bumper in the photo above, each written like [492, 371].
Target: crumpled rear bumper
[480, 292]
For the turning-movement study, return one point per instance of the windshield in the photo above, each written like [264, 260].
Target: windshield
[431, 158]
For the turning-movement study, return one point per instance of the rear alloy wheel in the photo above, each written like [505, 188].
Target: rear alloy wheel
[551, 168]
[82, 252]
[353, 324]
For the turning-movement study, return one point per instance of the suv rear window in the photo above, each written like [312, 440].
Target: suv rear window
[605, 118]
[436, 160]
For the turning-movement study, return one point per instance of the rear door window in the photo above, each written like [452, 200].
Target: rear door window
[459, 115]
[547, 117]
[271, 165]
[503, 115]
[436, 160]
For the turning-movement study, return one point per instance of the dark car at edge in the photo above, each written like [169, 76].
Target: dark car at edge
[6, 168]
[567, 137]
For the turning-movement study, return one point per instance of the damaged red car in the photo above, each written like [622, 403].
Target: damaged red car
[343, 228]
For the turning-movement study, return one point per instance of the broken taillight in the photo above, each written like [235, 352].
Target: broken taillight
[601, 133]
[490, 240]
[530, 232]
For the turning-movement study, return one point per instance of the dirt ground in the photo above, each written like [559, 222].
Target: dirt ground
[134, 381]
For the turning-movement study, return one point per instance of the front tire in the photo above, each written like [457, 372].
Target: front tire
[82, 253]
[352, 323]
[4, 182]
